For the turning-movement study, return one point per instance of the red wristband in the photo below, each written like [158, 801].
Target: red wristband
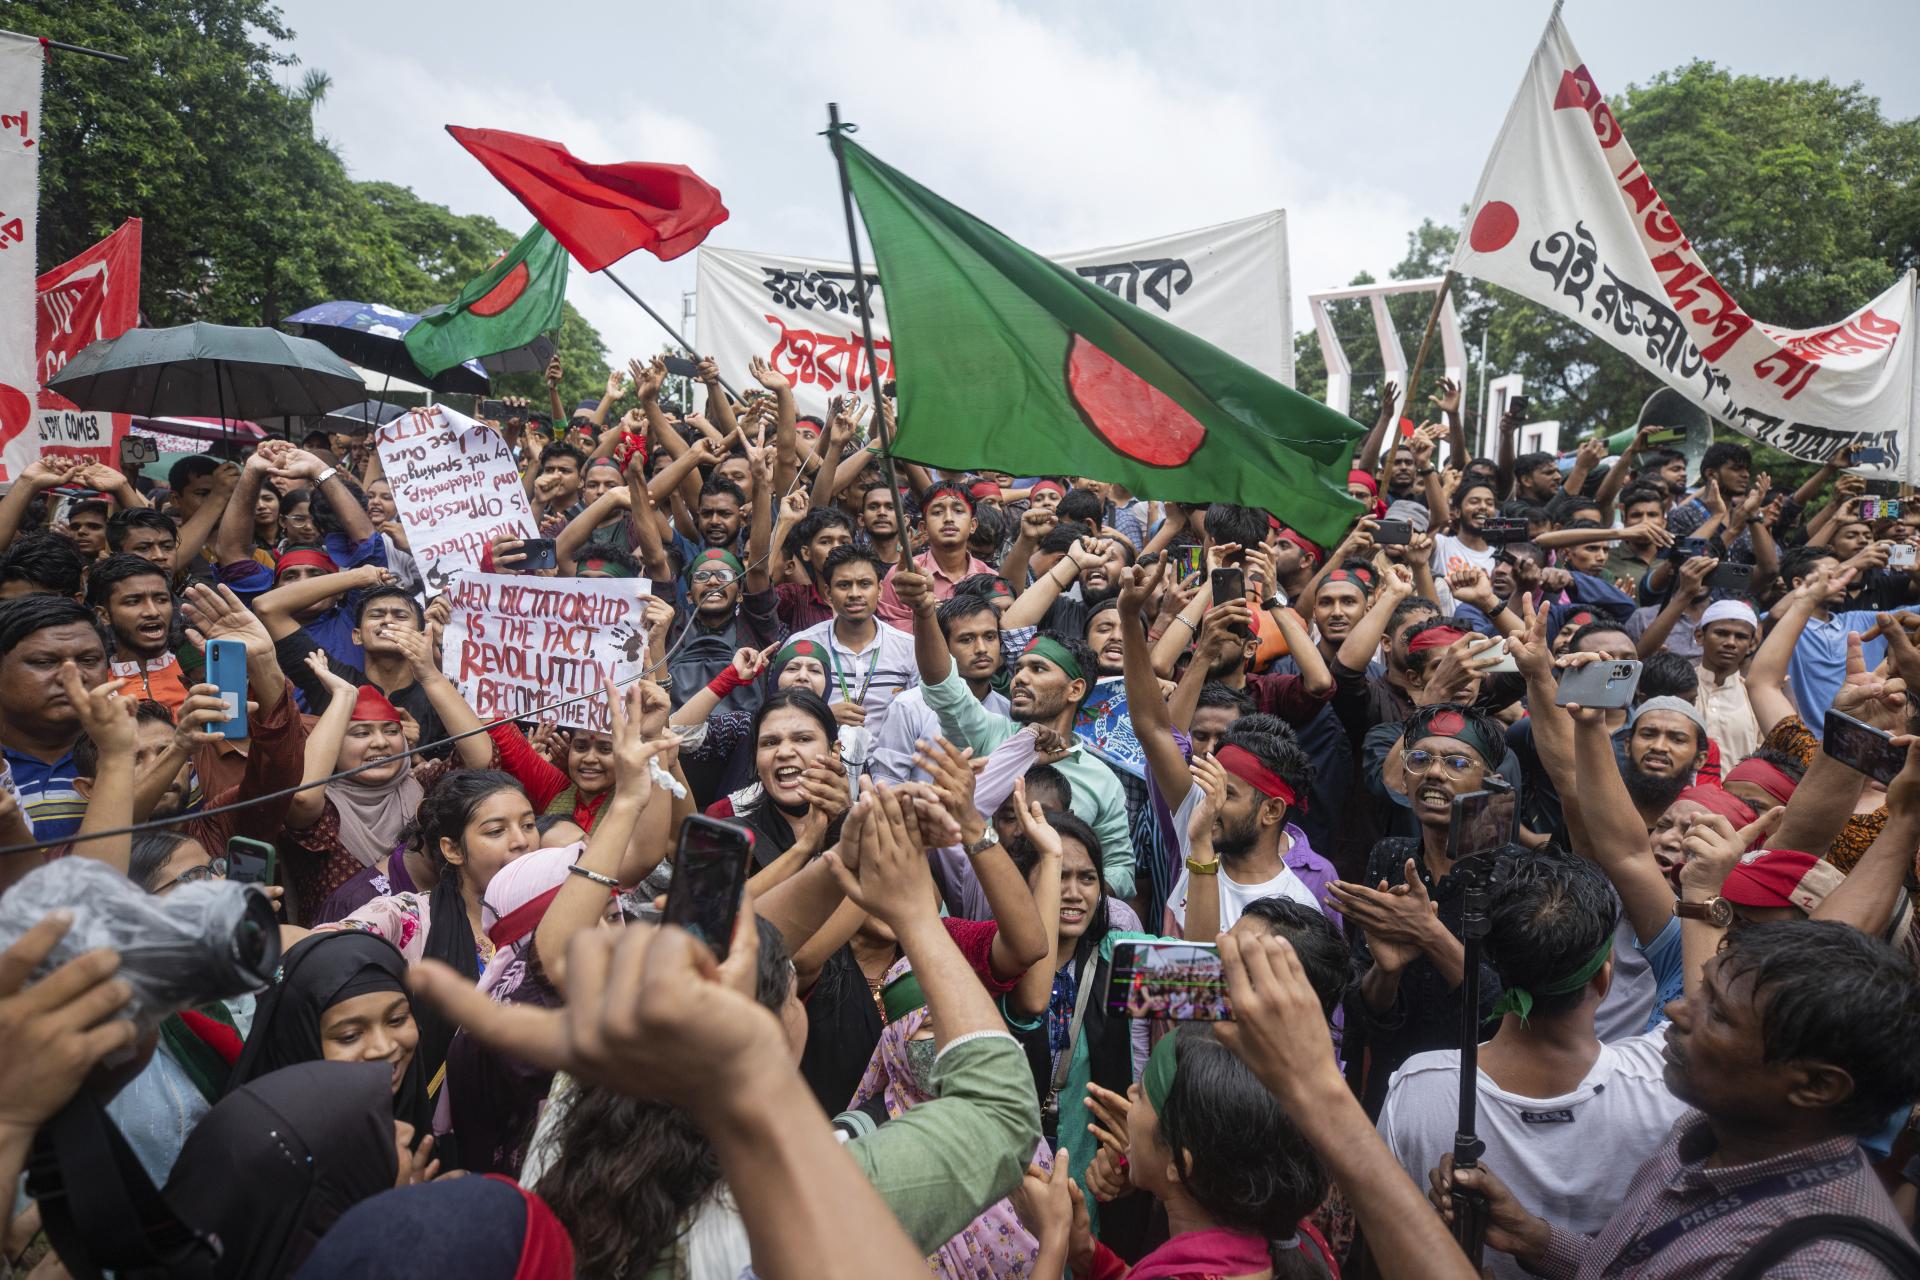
[725, 683]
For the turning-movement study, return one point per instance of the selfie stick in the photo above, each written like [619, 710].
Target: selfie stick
[1470, 1207]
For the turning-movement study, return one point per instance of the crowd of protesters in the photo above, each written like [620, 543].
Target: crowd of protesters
[985, 730]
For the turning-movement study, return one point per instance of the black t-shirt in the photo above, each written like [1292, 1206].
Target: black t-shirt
[292, 652]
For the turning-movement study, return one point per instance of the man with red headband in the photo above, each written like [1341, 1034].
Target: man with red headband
[947, 512]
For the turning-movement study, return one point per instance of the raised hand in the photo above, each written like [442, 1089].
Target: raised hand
[104, 715]
[1398, 921]
[1471, 584]
[893, 882]
[1139, 584]
[767, 376]
[337, 685]
[1447, 399]
[1714, 847]
[217, 614]
[58, 1028]
[554, 373]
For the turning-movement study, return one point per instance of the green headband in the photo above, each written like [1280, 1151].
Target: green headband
[612, 568]
[902, 996]
[1520, 1000]
[712, 554]
[1056, 653]
[1162, 1065]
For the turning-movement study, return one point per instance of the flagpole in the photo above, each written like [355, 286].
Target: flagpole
[835, 131]
[661, 321]
[1426, 337]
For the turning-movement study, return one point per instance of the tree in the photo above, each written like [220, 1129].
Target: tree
[1799, 194]
[249, 215]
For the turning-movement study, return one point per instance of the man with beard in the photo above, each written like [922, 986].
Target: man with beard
[1666, 741]
[880, 521]
[134, 600]
[1051, 680]
[1403, 476]
[1067, 560]
[971, 627]
[868, 665]
[946, 512]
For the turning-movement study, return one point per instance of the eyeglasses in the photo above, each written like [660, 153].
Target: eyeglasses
[1454, 763]
[215, 870]
[720, 576]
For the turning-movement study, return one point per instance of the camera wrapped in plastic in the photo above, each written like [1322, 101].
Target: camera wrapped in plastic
[201, 942]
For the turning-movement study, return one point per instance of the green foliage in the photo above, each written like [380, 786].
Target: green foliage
[1799, 194]
[249, 216]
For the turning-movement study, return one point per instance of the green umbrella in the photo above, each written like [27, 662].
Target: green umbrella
[209, 369]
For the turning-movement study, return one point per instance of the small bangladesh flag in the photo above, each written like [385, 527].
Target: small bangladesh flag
[1007, 360]
[509, 305]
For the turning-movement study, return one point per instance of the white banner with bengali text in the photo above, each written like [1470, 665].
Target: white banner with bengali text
[456, 488]
[516, 643]
[21, 61]
[1228, 284]
[1566, 216]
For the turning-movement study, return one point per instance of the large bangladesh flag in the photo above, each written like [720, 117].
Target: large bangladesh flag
[1006, 360]
[510, 304]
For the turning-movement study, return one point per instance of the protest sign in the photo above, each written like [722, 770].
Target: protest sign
[1226, 283]
[21, 60]
[455, 487]
[1566, 216]
[516, 643]
[90, 297]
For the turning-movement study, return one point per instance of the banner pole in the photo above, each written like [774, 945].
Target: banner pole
[1426, 337]
[835, 133]
[80, 48]
[661, 321]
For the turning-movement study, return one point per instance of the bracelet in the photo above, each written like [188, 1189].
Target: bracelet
[1181, 618]
[325, 476]
[577, 870]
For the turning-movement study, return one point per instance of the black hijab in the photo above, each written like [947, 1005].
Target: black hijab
[318, 972]
[278, 1160]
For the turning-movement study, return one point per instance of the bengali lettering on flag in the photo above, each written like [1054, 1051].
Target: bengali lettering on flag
[455, 488]
[1226, 283]
[516, 643]
[21, 62]
[1567, 217]
[90, 297]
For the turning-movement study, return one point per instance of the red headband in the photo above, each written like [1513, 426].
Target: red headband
[1365, 480]
[1434, 638]
[371, 704]
[1767, 777]
[314, 559]
[1311, 549]
[1054, 485]
[1246, 766]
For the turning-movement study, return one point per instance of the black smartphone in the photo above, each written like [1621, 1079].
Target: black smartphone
[540, 554]
[250, 861]
[494, 409]
[1869, 457]
[1731, 577]
[1861, 747]
[1164, 978]
[1393, 533]
[709, 875]
[1518, 407]
[1606, 683]
[1229, 583]
[681, 367]
[1482, 820]
[1685, 549]
[1502, 531]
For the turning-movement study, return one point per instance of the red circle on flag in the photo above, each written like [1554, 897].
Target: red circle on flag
[1493, 226]
[1126, 411]
[502, 295]
[16, 410]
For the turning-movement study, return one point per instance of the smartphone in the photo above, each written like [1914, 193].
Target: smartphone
[1607, 684]
[1518, 406]
[1869, 457]
[1870, 508]
[681, 367]
[227, 667]
[1189, 559]
[1685, 549]
[1891, 508]
[1482, 820]
[250, 861]
[136, 450]
[495, 409]
[1501, 531]
[1495, 660]
[1229, 583]
[1901, 555]
[540, 554]
[1164, 978]
[709, 876]
[1861, 747]
[1393, 533]
[1731, 577]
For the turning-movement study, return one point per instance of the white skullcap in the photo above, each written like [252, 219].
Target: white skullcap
[1734, 610]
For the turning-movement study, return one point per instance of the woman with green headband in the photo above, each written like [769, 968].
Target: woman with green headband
[1215, 1149]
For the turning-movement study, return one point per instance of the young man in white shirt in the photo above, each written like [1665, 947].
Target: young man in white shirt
[1567, 1120]
[871, 664]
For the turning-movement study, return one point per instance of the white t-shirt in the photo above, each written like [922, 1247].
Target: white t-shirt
[1449, 553]
[1568, 1159]
[1234, 896]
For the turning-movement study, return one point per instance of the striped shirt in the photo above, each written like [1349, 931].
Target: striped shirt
[47, 794]
[1676, 1187]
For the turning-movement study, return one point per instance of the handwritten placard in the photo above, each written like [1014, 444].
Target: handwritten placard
[455, 486]
[516, 643]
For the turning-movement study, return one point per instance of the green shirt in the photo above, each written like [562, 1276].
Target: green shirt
[1098, 798]
[939, 1165]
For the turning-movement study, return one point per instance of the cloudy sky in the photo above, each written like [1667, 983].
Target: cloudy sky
[1069, 125]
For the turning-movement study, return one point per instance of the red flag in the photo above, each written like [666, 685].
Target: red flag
[600, 212]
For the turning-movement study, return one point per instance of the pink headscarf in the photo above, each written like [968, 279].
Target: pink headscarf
[511, 908]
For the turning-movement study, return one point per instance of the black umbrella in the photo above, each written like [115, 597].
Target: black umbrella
[198, 369]
[374, 336]
[363, 416]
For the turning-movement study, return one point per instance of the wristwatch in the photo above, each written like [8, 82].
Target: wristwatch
[983, 844]
[1274, 602]
[325, 476]
[1716, 911]
[1203, 868]
[1426, 470]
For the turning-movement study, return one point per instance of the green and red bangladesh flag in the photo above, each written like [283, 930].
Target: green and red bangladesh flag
[1004, 359]
[513, 302]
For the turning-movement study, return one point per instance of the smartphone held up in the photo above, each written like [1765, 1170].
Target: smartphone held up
[1166, 978]
[709, 876]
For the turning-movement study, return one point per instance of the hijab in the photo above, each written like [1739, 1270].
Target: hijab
[277, 1162]
[484, 1228]
[372, 814]
[318, 972]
